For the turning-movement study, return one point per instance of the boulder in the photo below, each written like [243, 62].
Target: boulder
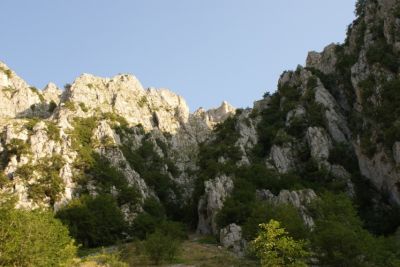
[231, 238]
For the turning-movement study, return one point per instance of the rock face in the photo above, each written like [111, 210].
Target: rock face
[216, 191]
[319, 143]
[214, 116]
[44, 120]
[124, 95]
[16, 97]
[377, 23]
[283, 158]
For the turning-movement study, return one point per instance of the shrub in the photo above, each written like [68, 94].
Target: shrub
[360, 5]
[31, 123]
[33, 238]
[83, 107]
[16, 147]
[94, 221]
[142, 101]
[7, 72]
[9, 89]
[144, 224]
[383, 53]
[159, 246]
[52, 106]
[53, 131]
[339, 239]
[275, 247]
[82, 141]
[70, 105]
[4, 180]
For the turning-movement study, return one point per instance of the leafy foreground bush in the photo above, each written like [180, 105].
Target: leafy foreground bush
[33, 238]
[160, 246]
[276, 248]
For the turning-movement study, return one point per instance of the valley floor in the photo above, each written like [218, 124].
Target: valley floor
[195, 252]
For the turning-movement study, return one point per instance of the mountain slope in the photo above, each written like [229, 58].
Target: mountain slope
[332, 125]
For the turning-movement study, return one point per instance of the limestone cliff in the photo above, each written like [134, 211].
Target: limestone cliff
[332, 125]
[42, 128]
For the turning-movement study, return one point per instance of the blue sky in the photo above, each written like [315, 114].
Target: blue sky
[205, 50]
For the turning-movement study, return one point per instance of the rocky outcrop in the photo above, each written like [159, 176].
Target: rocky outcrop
[325, 61]
[248, 137]
[216, 191]
[212, 117]
[282, 157]
[319, 143]
[231, 238]
[381, 171]
[16, 97]
[51, 93]
[337, 125]
[299, 199]
[297, 113]
[124, 95]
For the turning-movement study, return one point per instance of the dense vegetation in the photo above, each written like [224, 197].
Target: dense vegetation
[94, 221]
[33, 238]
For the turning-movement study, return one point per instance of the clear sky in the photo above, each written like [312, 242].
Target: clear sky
[205, 50]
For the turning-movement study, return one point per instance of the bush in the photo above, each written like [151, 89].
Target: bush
[94, 221]
[153, 218]
[144, 224]
[52, 106]
[276, 248]
[17, 147]
[53, 131]
[70, 105]
[83, 107]
[383, 53]
[34, 238]
[339, 239]
[160, 246]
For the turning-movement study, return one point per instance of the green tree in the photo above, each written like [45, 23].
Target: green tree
[276, 248]
[33, 238]
[340, 240]
[160, 246]
[94, 221]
